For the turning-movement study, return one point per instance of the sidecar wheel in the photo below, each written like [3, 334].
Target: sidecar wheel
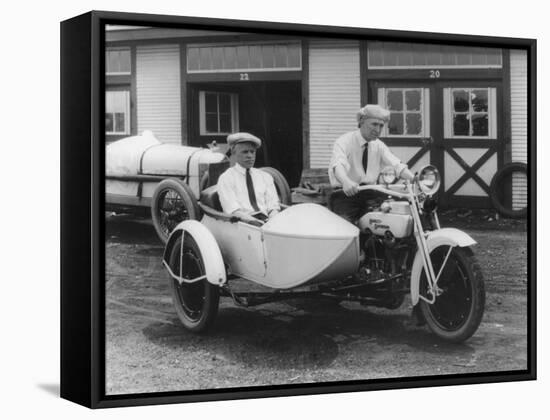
[196, 303]
[457, 311]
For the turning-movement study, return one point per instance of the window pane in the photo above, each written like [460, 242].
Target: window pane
[280, 56]
[461, 102]
[480, 100]
[412, 100]
[267, 56]
[255, 52]
[217, 58]
[118, 61]
[109, 127]
[206, 59]
[230, 57]
[480, 125]
[395, 100]
[414, 124]
[119, 122]
[193, 59]
[242, 57]
[225, 123]
[461, 125]
[211, 102]
[395, 126]
[294, 51]
[225, 103]
[211, 121]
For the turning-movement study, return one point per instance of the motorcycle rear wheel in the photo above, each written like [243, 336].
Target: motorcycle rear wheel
[457, 312]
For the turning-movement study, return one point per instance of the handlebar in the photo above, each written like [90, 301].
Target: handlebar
[393, 189]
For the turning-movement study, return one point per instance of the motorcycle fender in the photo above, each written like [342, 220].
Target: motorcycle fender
[445, 236]
[208, 247]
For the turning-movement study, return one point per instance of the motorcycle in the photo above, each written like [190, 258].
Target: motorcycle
[397, 247]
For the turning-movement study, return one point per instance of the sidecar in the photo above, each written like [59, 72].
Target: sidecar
[302, 246]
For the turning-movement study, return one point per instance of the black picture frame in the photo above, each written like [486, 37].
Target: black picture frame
[83, 203]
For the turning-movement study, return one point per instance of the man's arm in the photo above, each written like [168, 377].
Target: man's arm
[230, 203]
[350, 187]
[340, 165]
[271, 197]
[388, 158]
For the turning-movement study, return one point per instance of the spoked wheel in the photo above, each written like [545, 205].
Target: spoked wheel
[458, 308]
[196, 303]
[172, 203]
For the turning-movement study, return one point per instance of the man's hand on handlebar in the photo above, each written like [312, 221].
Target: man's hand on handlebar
[350, 188]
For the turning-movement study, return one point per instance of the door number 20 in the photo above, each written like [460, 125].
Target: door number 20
[435, 74]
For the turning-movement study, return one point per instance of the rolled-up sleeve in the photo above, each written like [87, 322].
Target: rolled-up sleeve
[388, 158]
[339, 157]
[227, 194]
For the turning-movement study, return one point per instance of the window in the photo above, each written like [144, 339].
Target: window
[244, 57]
[470, 112]
[118, 61]
[218, 113]
[117, 112]
[409, 111]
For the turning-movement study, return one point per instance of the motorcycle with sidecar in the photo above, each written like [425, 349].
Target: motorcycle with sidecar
[396, 248]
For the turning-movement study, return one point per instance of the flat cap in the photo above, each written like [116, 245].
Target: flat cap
[373, 111]
[242, 138]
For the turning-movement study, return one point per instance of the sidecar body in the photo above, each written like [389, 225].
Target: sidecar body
[303, 244]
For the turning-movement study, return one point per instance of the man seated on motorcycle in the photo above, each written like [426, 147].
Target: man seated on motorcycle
[245, 191]
[357, 158]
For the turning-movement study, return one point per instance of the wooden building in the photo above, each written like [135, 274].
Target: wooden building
[463, 109]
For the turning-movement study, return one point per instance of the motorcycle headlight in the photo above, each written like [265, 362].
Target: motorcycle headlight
[388, 175]
[429, 180]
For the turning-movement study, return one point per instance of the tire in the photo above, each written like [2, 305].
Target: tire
[457, 311]
[196, 303]
[281, 185]
[172, 203]
[497, 184]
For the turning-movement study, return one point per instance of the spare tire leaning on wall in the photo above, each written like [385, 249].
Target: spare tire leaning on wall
[498, 184]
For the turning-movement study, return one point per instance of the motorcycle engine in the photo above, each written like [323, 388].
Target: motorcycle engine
[393, 217]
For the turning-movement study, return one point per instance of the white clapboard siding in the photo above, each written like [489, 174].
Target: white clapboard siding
[334, 95]
[518, 99]
[158, 91]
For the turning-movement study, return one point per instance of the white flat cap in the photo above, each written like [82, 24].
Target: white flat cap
[242, 138]
[373, 111]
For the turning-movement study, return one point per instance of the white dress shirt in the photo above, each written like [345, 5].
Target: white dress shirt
[234, 194]
[348, 151]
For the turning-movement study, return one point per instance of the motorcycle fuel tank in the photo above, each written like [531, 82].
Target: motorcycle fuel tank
[400, 225]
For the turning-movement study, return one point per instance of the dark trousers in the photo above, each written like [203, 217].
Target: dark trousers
[352, 208]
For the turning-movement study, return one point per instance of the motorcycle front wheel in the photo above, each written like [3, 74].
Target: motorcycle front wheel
[458, 308]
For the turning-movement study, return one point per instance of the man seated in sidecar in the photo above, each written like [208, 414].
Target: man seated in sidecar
[245, 191]
[357, 158]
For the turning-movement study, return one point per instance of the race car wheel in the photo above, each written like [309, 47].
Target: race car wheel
[281, 185]
[458, 308]
[196, 303]
[172, 203]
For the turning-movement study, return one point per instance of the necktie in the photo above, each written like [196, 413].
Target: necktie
[365, 156]
[251, 194]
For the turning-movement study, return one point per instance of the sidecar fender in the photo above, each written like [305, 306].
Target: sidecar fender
[445, 236]
[208, 247]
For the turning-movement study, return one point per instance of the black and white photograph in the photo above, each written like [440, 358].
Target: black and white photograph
[288, 209]
[280, 210]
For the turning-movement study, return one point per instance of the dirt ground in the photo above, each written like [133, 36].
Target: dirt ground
[301, 341]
